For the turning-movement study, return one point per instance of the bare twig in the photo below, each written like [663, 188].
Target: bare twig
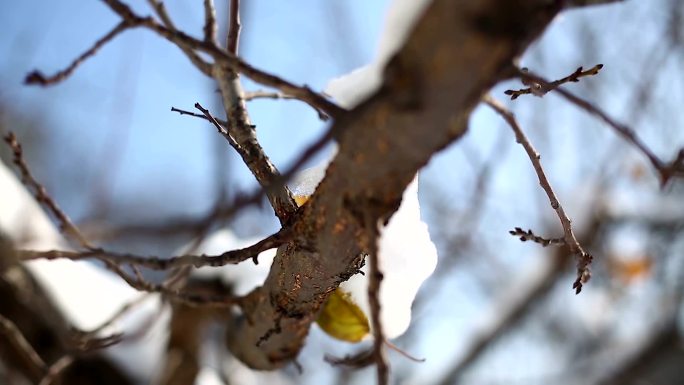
[187, 49]
[86, 342]
[21, 347]
[54, 371]
[357, 361]
[181, 39]
[184, 297]
[196, 115]
[210, 22]
[234, 27]
[37, 77]
[375, 280]
[404, 353]
[125, 309]
[156, 263]
[260, 94]
[65, 224]
[542, 88]
[241, 134]
[530, 236]
[584, 258]
[674, 168]
[222, 129]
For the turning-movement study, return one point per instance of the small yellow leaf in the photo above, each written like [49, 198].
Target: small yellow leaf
[301, 199]
[341, 318]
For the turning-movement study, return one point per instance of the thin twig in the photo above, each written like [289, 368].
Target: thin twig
[234, 26]
[65, 224]
[187, 298]
[123, 310]
[242, 201]
[261, 94]
[223, 130]
[404, 353]
[56, 369]
[375, 280]
[196, 115]
[86, 342]
[674, 168]
[37, 77]
[542, 88]
[180, 38]
[157, 263]
[21, 346]
[210, 22]
[584, 258]
[187, 49]
[531, 236]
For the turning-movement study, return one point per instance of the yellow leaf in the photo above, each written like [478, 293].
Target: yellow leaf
[341, 318]
[301, 199]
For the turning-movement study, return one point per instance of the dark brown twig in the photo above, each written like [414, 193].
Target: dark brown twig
[234, 26]
[196, 115]
[191, 299]
[54, 371]
[530, 236]
[125, 309]
[356, 361]
[210, 22]
[65, 224]
[255, 197]
[375, 280]
[187, 49]
[222, 129]
[542, 88]
[156, 263]
[37, 77]
[21, 347]
[220, 56]
[260, 94]
[584, 258]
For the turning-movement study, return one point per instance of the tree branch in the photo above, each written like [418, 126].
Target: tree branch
[22, 349]
[457, 51]
[210, 28]
[234, 28]
[224, 58]
[157, 263]
[65, 224]
[583, 258]
[37, 77]
[666, 170]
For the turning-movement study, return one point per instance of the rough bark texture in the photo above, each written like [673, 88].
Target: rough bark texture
[457, 51]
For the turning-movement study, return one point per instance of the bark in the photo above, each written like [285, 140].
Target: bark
[457, 51]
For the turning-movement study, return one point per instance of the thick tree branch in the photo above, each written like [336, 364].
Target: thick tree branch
[458, 50]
